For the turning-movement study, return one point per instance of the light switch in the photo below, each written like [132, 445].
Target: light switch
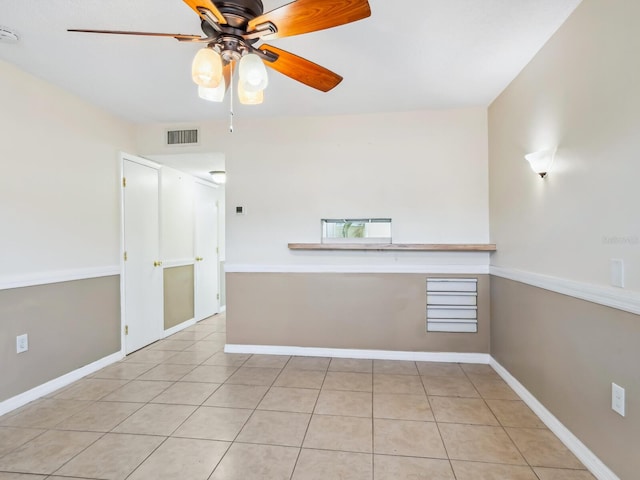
[617, 272]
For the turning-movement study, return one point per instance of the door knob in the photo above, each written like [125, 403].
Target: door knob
[157, 264]
[199, 259]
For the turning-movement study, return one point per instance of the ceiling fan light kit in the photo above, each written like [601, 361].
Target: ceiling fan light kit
[253, 74]
[247, 97]
[206, 69]
[231, 29]
[213, 94]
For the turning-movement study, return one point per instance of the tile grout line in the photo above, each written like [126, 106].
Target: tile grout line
[304, 437]
[500, 423]
[235, 439]
[150, 402]
[435, 420]
[373, 422]
[202, 403]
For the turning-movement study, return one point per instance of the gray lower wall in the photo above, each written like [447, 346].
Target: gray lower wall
[70, 325]
[566, 352]
[178, 295]
[343, 310]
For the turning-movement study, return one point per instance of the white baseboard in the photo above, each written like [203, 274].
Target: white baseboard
[53, 385]
[223, 309]
[579, 449]
[179, 327]
[355, 353]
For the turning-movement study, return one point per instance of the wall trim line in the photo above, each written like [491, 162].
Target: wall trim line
[57, 383]
[179, 327]
[618, 298]
[357, 353]
[478, 269]
[579, 449]
[181, 262]
[59, 276]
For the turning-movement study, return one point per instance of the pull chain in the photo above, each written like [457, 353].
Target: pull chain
[231, 101]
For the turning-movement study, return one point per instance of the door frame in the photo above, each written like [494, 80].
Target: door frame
[147, 163]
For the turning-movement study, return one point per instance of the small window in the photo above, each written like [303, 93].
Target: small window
[356, 230]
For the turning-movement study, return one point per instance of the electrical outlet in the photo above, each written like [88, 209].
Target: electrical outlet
[22, 343]
[617, 399]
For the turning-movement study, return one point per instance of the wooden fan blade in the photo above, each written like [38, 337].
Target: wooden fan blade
[304, 16]
[209, 5]
[302, 70]
[177, 36]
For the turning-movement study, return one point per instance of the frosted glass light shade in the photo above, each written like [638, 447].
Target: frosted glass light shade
[219, 176]
[213, 94]
[541, 161]
[253, 73]
[206, 69]
[249, 98]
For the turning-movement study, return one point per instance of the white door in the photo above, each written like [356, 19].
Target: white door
[207, 302]
[143, 307]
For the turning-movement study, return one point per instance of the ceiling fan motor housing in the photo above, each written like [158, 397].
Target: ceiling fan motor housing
[230, 43]
[239, 12]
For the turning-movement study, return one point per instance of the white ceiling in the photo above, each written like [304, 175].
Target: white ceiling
[410, 54]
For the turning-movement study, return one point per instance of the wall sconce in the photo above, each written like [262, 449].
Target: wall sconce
[218, 176]
[541, 161]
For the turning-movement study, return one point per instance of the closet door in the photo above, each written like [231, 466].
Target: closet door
[207, 300]
[142, 275]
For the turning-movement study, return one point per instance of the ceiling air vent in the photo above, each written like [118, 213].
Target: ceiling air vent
[182, 137]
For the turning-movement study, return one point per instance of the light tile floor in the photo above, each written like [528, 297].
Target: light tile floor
[183, 409]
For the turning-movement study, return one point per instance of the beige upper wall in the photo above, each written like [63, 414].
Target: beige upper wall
[426, 170]
[580, 93]
[59, 197]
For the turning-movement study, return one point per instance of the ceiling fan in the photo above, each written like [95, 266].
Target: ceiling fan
[232, 28]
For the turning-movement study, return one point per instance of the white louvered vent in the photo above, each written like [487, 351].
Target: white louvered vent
[183, 137]
[452, 305]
